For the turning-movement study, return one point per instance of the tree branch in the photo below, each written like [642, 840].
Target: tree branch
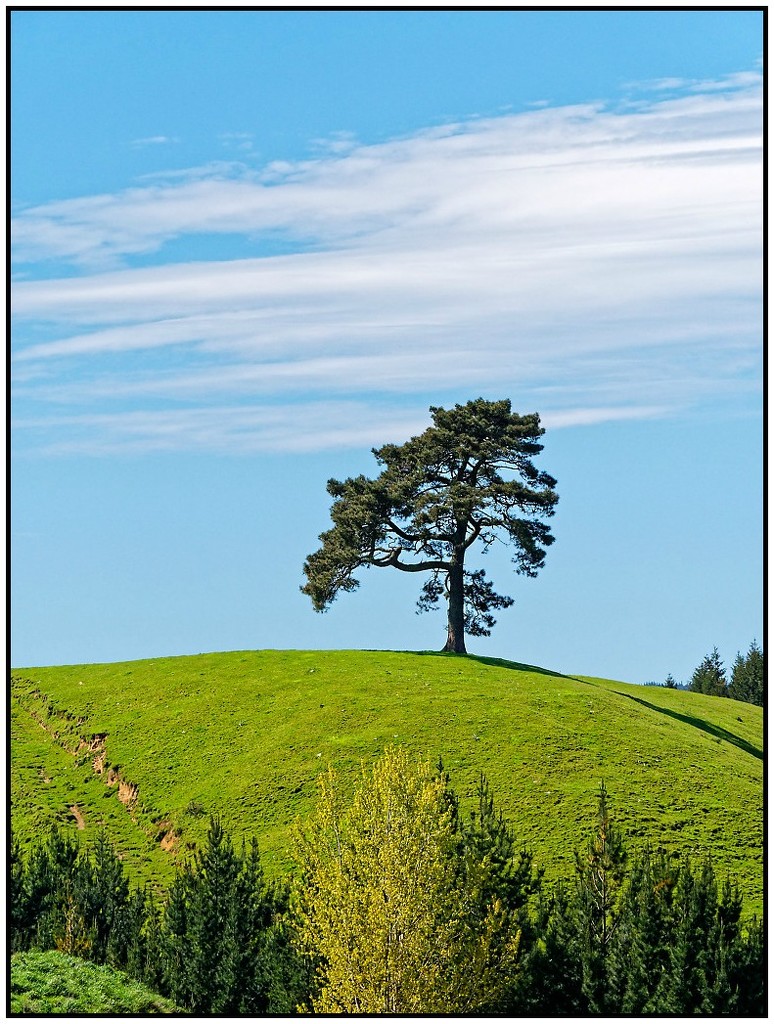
[394, 560]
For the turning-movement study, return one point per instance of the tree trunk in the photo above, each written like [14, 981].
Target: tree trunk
[455, 637]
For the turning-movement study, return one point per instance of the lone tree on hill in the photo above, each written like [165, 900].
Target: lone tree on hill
[437, 495]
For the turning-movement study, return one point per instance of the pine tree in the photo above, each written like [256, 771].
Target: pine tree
[747, 676]
[599, 876]
[139, 922]
[174, 941]
[510, 877]
[710, 676]
[550, 978]
[148, 951]
[101, 892]
[686, 985]
[18, 916]
[214, 930]
[748, 971]
[640, 949]
[48, 877]
[489, 838]
[467, 480]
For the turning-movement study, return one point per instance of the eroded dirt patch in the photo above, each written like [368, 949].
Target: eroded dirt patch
[169, 838]
[66, 731]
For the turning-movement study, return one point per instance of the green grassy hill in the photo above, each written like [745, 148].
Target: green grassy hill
[148, 749]
[52, 983]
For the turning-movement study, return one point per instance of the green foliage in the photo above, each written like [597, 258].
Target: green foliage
[748, 677]
[437, 495]
[38, 886]
[658, 937]
[245, 735]
[710, 676]
[400, 911]
[638, 959]
[223, 945]
[46, 983]
[405, 904]
[550, 982]
[599, 876]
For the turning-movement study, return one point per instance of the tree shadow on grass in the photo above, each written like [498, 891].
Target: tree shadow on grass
[699, 723]
[494, 662]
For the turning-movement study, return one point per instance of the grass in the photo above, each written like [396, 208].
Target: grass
[245, 734]
[53, 983]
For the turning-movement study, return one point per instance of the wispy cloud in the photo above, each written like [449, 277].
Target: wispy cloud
[243, 141]
[728, 83]
[612, 254]
[246, 430]
[154, 140]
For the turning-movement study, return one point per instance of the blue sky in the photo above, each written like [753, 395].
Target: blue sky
[250, 245]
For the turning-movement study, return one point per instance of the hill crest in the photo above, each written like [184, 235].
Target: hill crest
[148, 749]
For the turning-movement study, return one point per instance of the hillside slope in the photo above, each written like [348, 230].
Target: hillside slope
[148, 749]
[50, 983]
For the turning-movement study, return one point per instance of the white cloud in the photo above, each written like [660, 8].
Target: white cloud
[310, 427]
[154, 140]
[615, 255]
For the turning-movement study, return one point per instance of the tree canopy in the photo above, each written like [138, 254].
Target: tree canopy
[401, 907]
[468, 478]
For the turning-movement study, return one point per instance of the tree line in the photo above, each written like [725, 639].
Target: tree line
[747, 682]
[402, 904]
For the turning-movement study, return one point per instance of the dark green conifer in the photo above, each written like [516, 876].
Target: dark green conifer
[490, 839]
[18, 910]
[48, 880]
[599, 875]
[748, 971]
[747, 676]
[640, 952]
[710, 676]
[684, 986]
[214, 930]
[101, 893]
[550, 980]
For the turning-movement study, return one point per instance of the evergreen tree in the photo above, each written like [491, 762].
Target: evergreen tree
[468, 479]
[550, 978]
[18, 911]
[510, 878]
[44, 882]
[710, 676]
[407, 906]
[137, 938]
[489, 838]
[147, 954]
[101, 893]
[599, 875]
[705, 946]
[214, 931]
[174, 941]
[640, 949]
[670, 682]
[747, 676]
[747, 973]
